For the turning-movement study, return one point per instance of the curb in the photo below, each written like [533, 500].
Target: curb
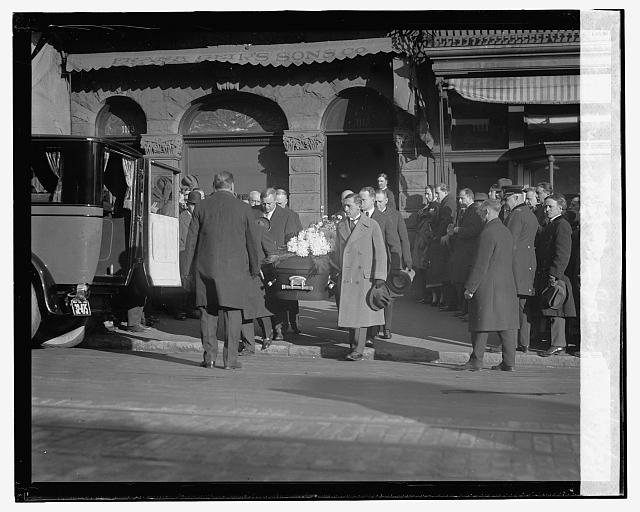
[145, 342]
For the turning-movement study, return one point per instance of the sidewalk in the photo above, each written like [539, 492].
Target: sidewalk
[421, 333]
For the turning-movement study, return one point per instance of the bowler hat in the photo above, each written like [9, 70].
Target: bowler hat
[194, 197]
[553, 297]
[480, 196]
[378, 297]
[512, 189]
[399, 282]
[504, 182]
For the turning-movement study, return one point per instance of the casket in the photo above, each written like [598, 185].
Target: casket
[301, 278]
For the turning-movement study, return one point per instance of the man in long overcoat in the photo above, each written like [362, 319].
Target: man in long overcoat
[283, 227]
[553, 253]
[491, 288]
[361, 255]
[523, 225]
[446, 216]
[398, 225]
[463, 239]
[390, 238]
[226, 260]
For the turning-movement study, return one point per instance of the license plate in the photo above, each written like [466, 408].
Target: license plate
[80, 307]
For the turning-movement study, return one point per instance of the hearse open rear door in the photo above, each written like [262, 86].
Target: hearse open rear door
[161, 225]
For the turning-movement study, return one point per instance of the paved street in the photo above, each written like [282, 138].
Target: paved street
[134, 416]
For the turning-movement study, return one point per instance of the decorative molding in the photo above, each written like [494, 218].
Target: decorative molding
[167, 146]
[310, 142]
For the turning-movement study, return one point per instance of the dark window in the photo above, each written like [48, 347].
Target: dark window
[551, 123]
[476, 125]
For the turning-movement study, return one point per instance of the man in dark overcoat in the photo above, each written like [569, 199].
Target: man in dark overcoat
[383, 184]
[283, 227]
[523, 226]
[491, 289]
[446, 217]
[259, 308]
[463, 239]
[389, 235]
[553, 253]
[398, 225]
[361, 256]
[226, 260]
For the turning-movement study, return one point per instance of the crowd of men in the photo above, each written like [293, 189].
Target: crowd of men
[461, 252]
[462, 255]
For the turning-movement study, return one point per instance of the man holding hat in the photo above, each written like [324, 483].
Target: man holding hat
[523, 225]
[491, 290]
[361, 256]
[554, 252]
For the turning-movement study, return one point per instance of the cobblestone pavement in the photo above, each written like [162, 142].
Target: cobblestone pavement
[116, 416]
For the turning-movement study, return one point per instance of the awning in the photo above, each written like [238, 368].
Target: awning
[564, 89]
[265, 55]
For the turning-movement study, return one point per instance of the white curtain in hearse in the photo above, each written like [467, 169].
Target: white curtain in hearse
[162, 235]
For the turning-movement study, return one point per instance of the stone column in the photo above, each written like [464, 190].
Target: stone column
[413, 170]
[305, 150]
[167, 148]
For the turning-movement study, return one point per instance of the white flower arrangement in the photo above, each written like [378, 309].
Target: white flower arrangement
[317, 240]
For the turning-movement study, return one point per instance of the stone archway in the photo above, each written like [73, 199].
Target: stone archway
[121, 118]
[236, 132]
[358, 125]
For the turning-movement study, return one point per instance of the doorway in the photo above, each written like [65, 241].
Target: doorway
[354, 161]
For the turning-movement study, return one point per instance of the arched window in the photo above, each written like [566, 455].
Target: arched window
[359, 109]
[121, 117]
[234, 115]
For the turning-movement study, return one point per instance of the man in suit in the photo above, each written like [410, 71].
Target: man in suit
[361, 256]
[491, 290]
[383, 182]
[389, 236]
[553, 253]
[283, 226]
[463, 239]
[221, 241]
[446, 217]
[543, 189]
[523, 226]
[399, 226]
[531, 199]
[254, 198]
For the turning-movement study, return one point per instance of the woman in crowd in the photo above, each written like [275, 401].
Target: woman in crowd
[430, 253]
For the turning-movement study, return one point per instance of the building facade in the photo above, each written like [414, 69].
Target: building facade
[319, 117]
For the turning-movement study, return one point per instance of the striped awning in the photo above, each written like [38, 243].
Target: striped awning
[264, 55]
[563, 89]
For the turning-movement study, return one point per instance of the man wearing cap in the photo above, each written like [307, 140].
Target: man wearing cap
[399, 226]
[463, 240]
[491, 290]
[361, 256]
[553, 253]
[523, 226]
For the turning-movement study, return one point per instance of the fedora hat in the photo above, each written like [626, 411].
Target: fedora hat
[378, 298]
[480, 196]
[553, 297]
[512, 189]
[399, 282]
[194, 197]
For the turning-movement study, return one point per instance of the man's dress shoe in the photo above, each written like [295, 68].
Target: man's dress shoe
[354, 356]
[236, 366]
[524, 350]
[472, 365]
[386, 334]
[552, 351]
[210, 365]
[295, 328]
[503, 367]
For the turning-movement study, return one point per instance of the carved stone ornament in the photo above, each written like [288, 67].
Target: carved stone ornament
[169, 146]
[303, 141]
